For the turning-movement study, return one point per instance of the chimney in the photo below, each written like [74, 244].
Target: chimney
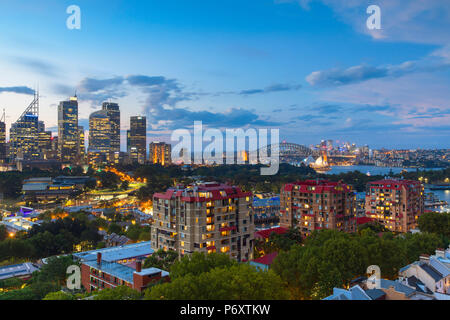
[424, 258]
[99, 258]
[138, 265]
[440, 253]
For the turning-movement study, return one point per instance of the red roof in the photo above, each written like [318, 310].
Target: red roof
[266, 233]
[363, 220]
[267, 259]
[320, 186]
[214, 188]
[394, 184]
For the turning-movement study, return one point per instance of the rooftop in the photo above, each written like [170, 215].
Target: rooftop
[17, 270]
[118, 253]
[267, 232]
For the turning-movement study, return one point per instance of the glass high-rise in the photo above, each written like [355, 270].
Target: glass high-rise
[68, 133]
[99, 149]
[113, 111]
[137, 140]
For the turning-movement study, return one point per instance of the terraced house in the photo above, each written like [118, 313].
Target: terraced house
[206, 217]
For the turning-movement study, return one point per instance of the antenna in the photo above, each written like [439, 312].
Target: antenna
[3, 118]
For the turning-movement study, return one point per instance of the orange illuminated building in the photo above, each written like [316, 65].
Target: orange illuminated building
[160, 153]
[207, 217]
[397, 204]
[318, 204]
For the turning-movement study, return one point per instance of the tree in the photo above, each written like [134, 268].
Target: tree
[114, 228]
[118, 293]
[199, 262]
[434, 222]
[284, 241]
[161, 259]
[59, 295]
[239, 282]
[3, 233]
[124, 186]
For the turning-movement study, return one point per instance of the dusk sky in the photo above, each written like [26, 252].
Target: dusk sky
[308, 67]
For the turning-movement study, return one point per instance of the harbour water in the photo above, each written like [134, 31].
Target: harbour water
[372, 169]
[440, 194]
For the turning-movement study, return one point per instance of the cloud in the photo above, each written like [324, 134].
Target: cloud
[175, 118]
[18, 90]
[273, 88]
[408, 21]
[308, 117]
[92, 85]
[361, 73]
[39, 66]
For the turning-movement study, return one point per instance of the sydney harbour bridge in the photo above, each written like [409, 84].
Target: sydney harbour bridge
[289, 152]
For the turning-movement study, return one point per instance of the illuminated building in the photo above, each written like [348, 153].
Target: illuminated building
[396, 204]
[113, 111]
[160, 153]
[99, 139]
[137, 140]
[208, 217]
[3, 154]
[318, 204]
[68, 134]
[45, 144]
[81, 144]
[24, 133]
[119, 266]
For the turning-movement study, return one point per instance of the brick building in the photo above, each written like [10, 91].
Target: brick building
[206, 217]
[318, 204]
[112, 267]
[397, 204]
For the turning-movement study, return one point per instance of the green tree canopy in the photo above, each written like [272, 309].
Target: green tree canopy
[239, 282]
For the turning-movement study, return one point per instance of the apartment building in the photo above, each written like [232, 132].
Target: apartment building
[206, 217]
[118, 266]
[318, 204]
[397, 204]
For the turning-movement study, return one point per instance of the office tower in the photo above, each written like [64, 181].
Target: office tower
[3, 155]
[208, 217]
[68, 136]
[55, 144]
[81, 144]
[137, 147]
[396, 204]
[41, 126]
[160, 153]
[99, 139]
[113, 111]
[317, 204]
[24, 133]
[45, 144]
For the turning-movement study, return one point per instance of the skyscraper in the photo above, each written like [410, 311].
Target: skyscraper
[160, 152]
[99, 138]
[81, 144]
[24, 133]
[113, 111]
[2, 139]
[137, 147]
[68, 135]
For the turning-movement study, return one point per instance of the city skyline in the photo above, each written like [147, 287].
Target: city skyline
[267, 64]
